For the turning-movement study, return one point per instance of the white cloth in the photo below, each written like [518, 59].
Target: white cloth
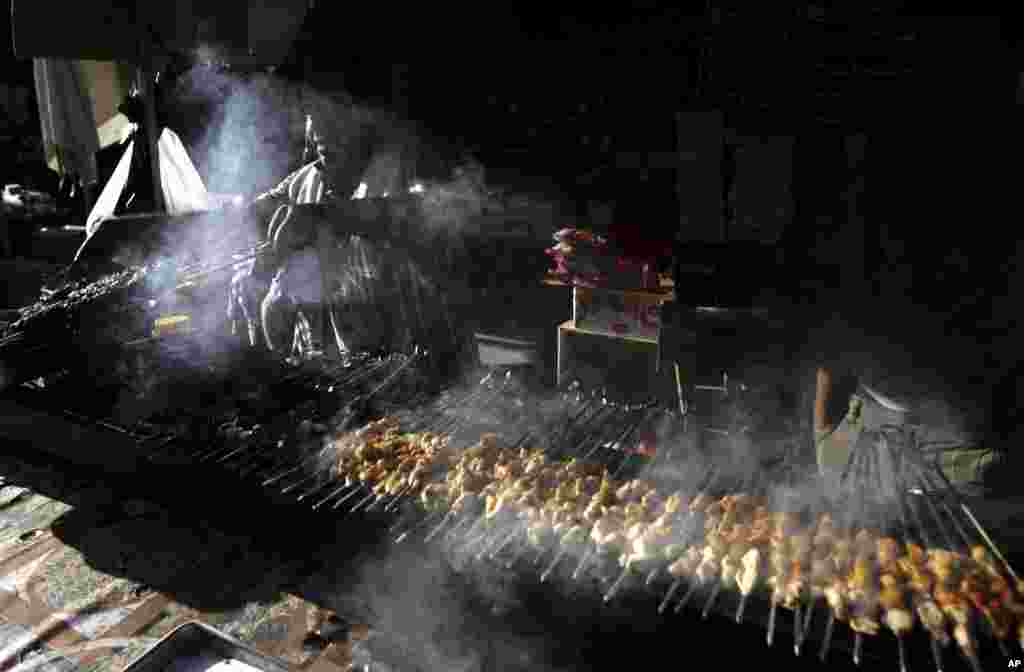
[65, 112]
[107, 201]
[182, 186]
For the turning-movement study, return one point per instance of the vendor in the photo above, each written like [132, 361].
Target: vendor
[373, 263]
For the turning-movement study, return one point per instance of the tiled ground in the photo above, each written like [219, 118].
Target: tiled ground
[87, 583]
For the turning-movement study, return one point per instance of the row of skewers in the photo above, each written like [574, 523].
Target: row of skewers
[491, 502]
[515, 497]
[595, 427]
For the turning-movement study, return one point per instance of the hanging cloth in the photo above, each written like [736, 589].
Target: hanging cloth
[66, 116]
[183, 188]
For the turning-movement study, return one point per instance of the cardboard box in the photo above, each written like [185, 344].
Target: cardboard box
[618, 312]
[626, 363]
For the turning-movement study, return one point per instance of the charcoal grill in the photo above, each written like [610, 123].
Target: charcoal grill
[591, 426]
[277, 438]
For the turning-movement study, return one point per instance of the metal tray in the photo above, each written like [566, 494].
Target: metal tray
[195, 638]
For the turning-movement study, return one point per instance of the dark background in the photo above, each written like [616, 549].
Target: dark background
[585, 105]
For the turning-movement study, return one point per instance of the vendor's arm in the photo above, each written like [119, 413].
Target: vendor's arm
[376, 219]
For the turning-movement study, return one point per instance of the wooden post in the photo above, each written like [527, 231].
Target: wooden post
[147, 90]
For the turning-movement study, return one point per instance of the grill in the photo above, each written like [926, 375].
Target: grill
[889, 487]
[630, 504]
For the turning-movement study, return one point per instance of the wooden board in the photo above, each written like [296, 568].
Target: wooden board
[246, 33]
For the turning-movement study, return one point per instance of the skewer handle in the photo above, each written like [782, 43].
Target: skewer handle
[554, 563]
[669, 595]
[806, 627]
[610, 595]
[355, 491]
[973, 661]
[711, 600]
[686, 598]
[936, 654]
[440, 526]
[797, 629]
[494, 552]
[742, 608]
[826, 643]
[334, 493]
[652, 577]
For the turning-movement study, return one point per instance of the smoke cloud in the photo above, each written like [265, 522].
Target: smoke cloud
[257, 132]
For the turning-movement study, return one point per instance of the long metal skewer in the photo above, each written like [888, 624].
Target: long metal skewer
[331, 495]
[440, 526]
[324, 483]
[559, 554]
[584, 559]
[904, 507]
[772, 615]
[497, 550]
[689, 594]
[806, 626]
[826, 642]
[419, 525]
[669, 595]
[711, 479]
[711, 600]
[965, 545]
[355, 491]
[977, 524]
[362, 502]
[854, 465]
[740, 610]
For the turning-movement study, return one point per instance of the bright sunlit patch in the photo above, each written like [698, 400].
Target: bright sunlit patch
[360, 191]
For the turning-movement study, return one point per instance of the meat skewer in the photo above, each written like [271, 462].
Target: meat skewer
[991, 546]
[1004, 607]
[921, 581]
[992, 597]
[680, 568]
[946, 567]
[633, 559]
[796, 585]
[815, 562]
[715, 547]
[836, 592]
[784, 530]
[865, 583]
[647, 530]
[739, 531]
[674, 516]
